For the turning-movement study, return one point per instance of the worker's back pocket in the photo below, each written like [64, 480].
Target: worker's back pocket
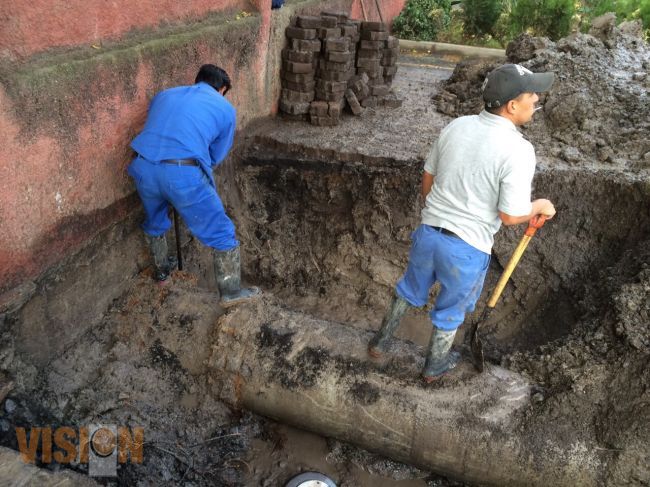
[181, 177]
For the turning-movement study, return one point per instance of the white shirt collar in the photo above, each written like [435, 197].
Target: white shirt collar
[497, 121]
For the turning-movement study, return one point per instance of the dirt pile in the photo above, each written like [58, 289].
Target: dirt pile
[598, 109]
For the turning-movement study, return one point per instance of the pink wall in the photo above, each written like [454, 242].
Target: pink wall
[387, 9]
[35, 25]
[66, 120]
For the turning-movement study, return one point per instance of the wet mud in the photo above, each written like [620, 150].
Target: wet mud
[325, 219]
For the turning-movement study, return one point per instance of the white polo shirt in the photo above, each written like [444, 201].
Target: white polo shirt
[482, 165]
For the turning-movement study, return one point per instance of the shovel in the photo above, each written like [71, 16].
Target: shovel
[477, 347]
[177, 231]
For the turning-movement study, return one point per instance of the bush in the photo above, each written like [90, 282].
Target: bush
[550, 18]
[480, 16]
[644, 13]
[422, 20]
[624, 10]
[502, 31]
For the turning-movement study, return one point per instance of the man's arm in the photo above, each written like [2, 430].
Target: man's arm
[221, 145]
[427, 184]
[540, 207]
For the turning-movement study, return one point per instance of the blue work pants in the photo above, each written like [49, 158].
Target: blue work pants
[188, 189]
[459, 267]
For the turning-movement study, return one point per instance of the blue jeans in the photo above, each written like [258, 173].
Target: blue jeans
[459, 267]
[188, 189]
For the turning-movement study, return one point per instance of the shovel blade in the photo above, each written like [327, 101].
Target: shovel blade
[476, 344]
[477, 350]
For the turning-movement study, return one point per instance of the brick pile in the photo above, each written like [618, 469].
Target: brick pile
[332, 62]
[299, 61]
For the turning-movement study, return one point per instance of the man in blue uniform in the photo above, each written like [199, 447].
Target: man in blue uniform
[189, 130]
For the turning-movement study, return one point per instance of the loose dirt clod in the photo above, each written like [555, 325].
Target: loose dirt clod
[598, 110]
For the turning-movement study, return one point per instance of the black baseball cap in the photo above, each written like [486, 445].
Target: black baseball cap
[511, 80]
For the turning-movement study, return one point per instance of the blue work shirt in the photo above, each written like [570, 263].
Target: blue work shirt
[188, 122]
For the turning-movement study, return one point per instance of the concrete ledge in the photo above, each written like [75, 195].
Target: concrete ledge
[443, 47]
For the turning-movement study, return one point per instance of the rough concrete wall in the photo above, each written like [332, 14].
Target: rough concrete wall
[66, 118]
[38, 25]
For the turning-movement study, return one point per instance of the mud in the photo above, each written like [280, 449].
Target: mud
[597, 112]
[325, 217]
[144, 364]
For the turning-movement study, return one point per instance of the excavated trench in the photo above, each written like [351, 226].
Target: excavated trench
[332, 239]
[325, 219]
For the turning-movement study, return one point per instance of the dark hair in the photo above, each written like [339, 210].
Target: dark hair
[214, 76]
[497, 110]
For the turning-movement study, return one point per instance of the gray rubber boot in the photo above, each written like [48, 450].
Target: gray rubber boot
[227, 268]
[379, 343]
[163, 264]
[439, 358]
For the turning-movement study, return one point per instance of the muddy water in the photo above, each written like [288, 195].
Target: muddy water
[301, 451]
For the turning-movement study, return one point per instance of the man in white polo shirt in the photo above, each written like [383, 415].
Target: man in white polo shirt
[477, 176]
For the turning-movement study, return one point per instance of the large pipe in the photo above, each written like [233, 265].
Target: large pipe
[316, 375]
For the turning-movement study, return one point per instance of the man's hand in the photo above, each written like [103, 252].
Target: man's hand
[543, 207]
[540, 207]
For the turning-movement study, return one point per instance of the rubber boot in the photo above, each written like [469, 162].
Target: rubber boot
[227, 268]
[379, 343]
[163, 264]
[439, 358]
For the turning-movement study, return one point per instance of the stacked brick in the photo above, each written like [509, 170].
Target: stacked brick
[376, 66]
[333, 61]
[299, 61]
[335, 67]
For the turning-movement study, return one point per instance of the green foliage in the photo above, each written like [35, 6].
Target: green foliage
[480, 16]
[644, 12]
[422, 20]
[624, 10]
[501, 31]
[493, 23]
[550, 18]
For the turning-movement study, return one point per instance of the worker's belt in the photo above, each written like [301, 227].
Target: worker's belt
[181, 162]
[444, 231]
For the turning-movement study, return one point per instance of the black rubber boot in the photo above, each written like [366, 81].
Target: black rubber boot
[163, 263]
[227, 268]
[379, 343]
[439, 359]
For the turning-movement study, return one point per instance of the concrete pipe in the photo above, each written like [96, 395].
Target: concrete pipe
[316, 375]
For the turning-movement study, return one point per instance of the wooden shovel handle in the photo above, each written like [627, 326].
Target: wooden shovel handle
[534, 224]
